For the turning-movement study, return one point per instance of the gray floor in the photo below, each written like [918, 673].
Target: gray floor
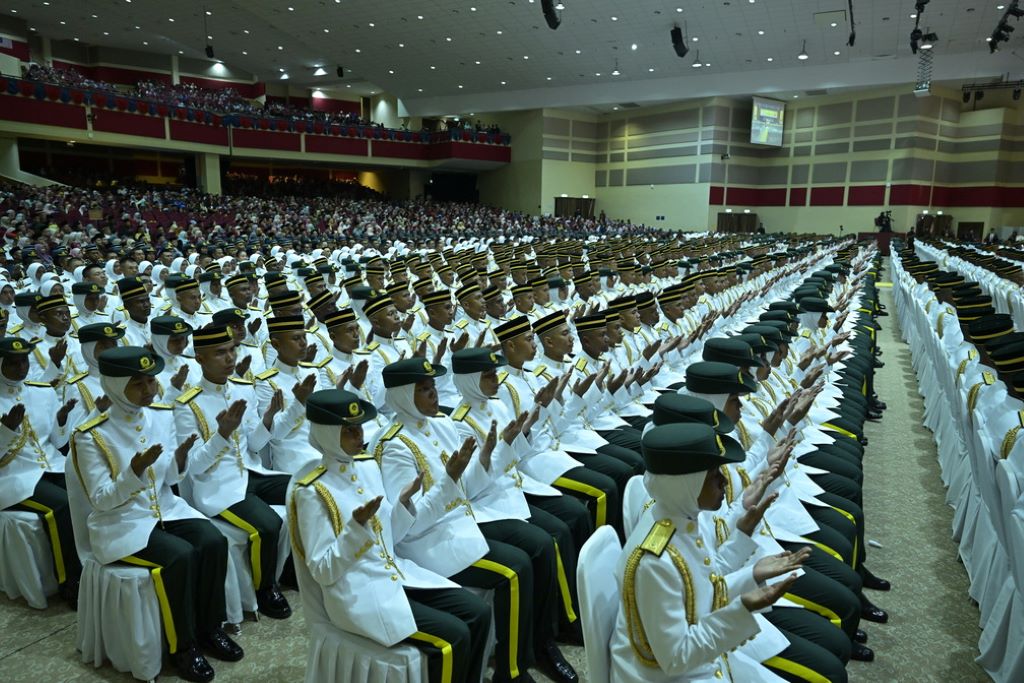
[932, 634]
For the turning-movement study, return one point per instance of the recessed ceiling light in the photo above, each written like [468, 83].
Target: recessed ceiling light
[526, 56]
[679, 9]
[650, 69]
[472, 9]
[498, 32]
[598, 73]
[760, 33]
[460, 87]
[477, 62]
[833, 24]
[615, 18]
[914, 16]
[93, 16]
[208, 12]
[137, 28]
[771, 59]
[106, 33]
[448, 39]
[615, 71]
[391, 71]
[579, 52]
[989, 39]
[401, 45]
[245, 52]
[836, 53]
[796, 97]
[549, 78]
[145, 42]
[695, 39]
[290, 9]
[419, 89]
[371, 24]
[503, 82]
[419, 16]
[62, 23]
[358, 50]
[633, 46]
[327, 30]
[76, 40]
[47, 4]
[432, 67]
[320, 71]
[1000, 6]
[348, 85]
[615, 108]
[170, 19]
[181, 52]
[245, 31]
[209, 37]
[284, 77]
[281, 69]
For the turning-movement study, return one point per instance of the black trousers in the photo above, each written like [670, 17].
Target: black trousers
[802, 659]
[567, 521]
[506, 570]
[452, 626]
[49, 500]
[627, 437]
[830, 599]
[596, 488]
[812, 627]
[188, 560]
[254, 516]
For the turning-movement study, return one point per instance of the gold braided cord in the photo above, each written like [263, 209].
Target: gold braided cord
[331, 505]
[721, 531]
[637, 636]
[421, 461]
[724, 469]
[721, 595]
[204, 428]
[514, 395]
[101, 443]
[972, 396]
[293, 527]
[15, 448]
[744, 477]
[1008, 441]
[745, 439]
[684, 572]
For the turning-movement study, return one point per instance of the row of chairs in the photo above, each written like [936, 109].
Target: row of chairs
[978, 427]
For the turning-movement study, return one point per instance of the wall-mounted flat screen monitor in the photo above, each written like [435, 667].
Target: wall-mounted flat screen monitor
[766, 122]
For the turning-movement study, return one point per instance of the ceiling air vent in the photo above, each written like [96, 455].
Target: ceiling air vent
[629, 105]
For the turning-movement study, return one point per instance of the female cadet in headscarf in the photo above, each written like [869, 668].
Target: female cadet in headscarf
[170, 339]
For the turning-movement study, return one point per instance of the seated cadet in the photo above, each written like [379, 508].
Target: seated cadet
[338, 510]
[89, 299]
[227, 475]
[127, 468]
[679, 619]
[85, 386]
[420, 441]
[137, 308]
[249, 361]
[170, 339]
[186, 300]
[289, 446]
[57, 353]
[34, 429]
[564, 518]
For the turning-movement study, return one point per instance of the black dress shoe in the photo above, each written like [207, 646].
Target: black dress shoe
[860, 636]
[68, 592]
[220, 646]
[878, 364]
[192, 665]
[555, 666]
[873, 415]
[863, 441]
[872, 613]
[862, 653]
[874, 583]
[272, 603]
[571, 635]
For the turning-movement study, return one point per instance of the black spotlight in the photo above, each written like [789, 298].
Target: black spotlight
[551, 14]
[853, 38]
[979, 95]
[678, 42]
[1015, 11]
[209, 51]
[915, 38]
[967, 97]
[1016, 94]
[341, 72]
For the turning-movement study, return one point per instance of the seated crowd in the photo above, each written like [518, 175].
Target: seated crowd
[456, 405]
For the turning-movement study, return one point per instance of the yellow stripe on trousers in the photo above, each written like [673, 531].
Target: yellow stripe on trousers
[829, 425]
[815, 607]
[51, 527]
[844, 513]
[254, 544]
[446, 652]
[513, 626]
[828, 550]
[161, 598]
[601, 512]
[791, 667]
[563, 585]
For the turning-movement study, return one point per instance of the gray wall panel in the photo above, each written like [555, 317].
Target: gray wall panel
[992, 130]
[664, 153]
[557, 143]
[950, 110]
[833, 133]
[556, 156]
[617, 129]
[803, 151]
[915, 142]
[831, 114]
[740, 174]
[600, 178]
[873, 129]
[875, 108]
[673, 120]
[656, 140]
[830, 173]
[975, 172]
[774, 175]
[715, 115]
[864, 171]
[615, 178]
[804, 136]
[832, 148]
[555, 126]
[801, 172]
[588, 158]
[584, 145]
[805, 117]
[662, 175]
[584, 129]
[741, 116]
[871, 145]
[912, 169]
[616, 157]
[927, 107]
[616, 144]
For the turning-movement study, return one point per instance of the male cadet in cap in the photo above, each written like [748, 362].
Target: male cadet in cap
[495, 305]
[514, 496]
[629, 387]
[240, 291]
[284, 303]
[419, 441]
[550, 461]
[250, 360]
[186, 301]
[29, 325]
[439, 339]
[34, 429]
[58, 355]
[89, 300]
[338, 510]
[227, 476]
[473, 321]
[137, 307]
[321, 306]
[384, 342]
[128, 458]
[685, 609]
[289, 446]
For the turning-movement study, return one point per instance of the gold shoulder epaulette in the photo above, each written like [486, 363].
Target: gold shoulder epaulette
[313, 475]
[267, 374]
[658, 537]
[33, 383]
[461, 412]
[581, 365]
[16, 329]
[316, 363]
[462, 324]
[95, 422]
[392, 432]
[239, 380]
[539, 370]
[161, 406]
[361, 352]
[423, 336]
[189, 395]
[76, 378]
[362, 456]
[502, 376]
[373, 346]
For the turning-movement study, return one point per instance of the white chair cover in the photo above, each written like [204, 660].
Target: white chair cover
[118, 612]
[336, 656]
[26, 563]
[599, 598]
[633, 501]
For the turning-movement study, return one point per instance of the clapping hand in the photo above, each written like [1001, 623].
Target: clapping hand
[181, 452]
[766, 596]
[777, 565]
[14, 417]
[178, 379]
[140, 461]
[275, 406]
[364, 513]
[65, 410]
[228, 420]
[457, 464]
[405, 497]
[242, 366]
[303, 389]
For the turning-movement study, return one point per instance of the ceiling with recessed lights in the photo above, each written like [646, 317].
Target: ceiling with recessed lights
[446, 56]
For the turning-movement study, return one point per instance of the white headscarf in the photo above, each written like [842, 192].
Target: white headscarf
[109, 267]
[76, 275]
[144, 266]
[177, 264]
[809, 320]
[676, 495]
[468, 385]
[326, 439]
[401, 400]
[160, 346]
[47, 287]
[89, 354]
[33, 270]
[113, 388]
